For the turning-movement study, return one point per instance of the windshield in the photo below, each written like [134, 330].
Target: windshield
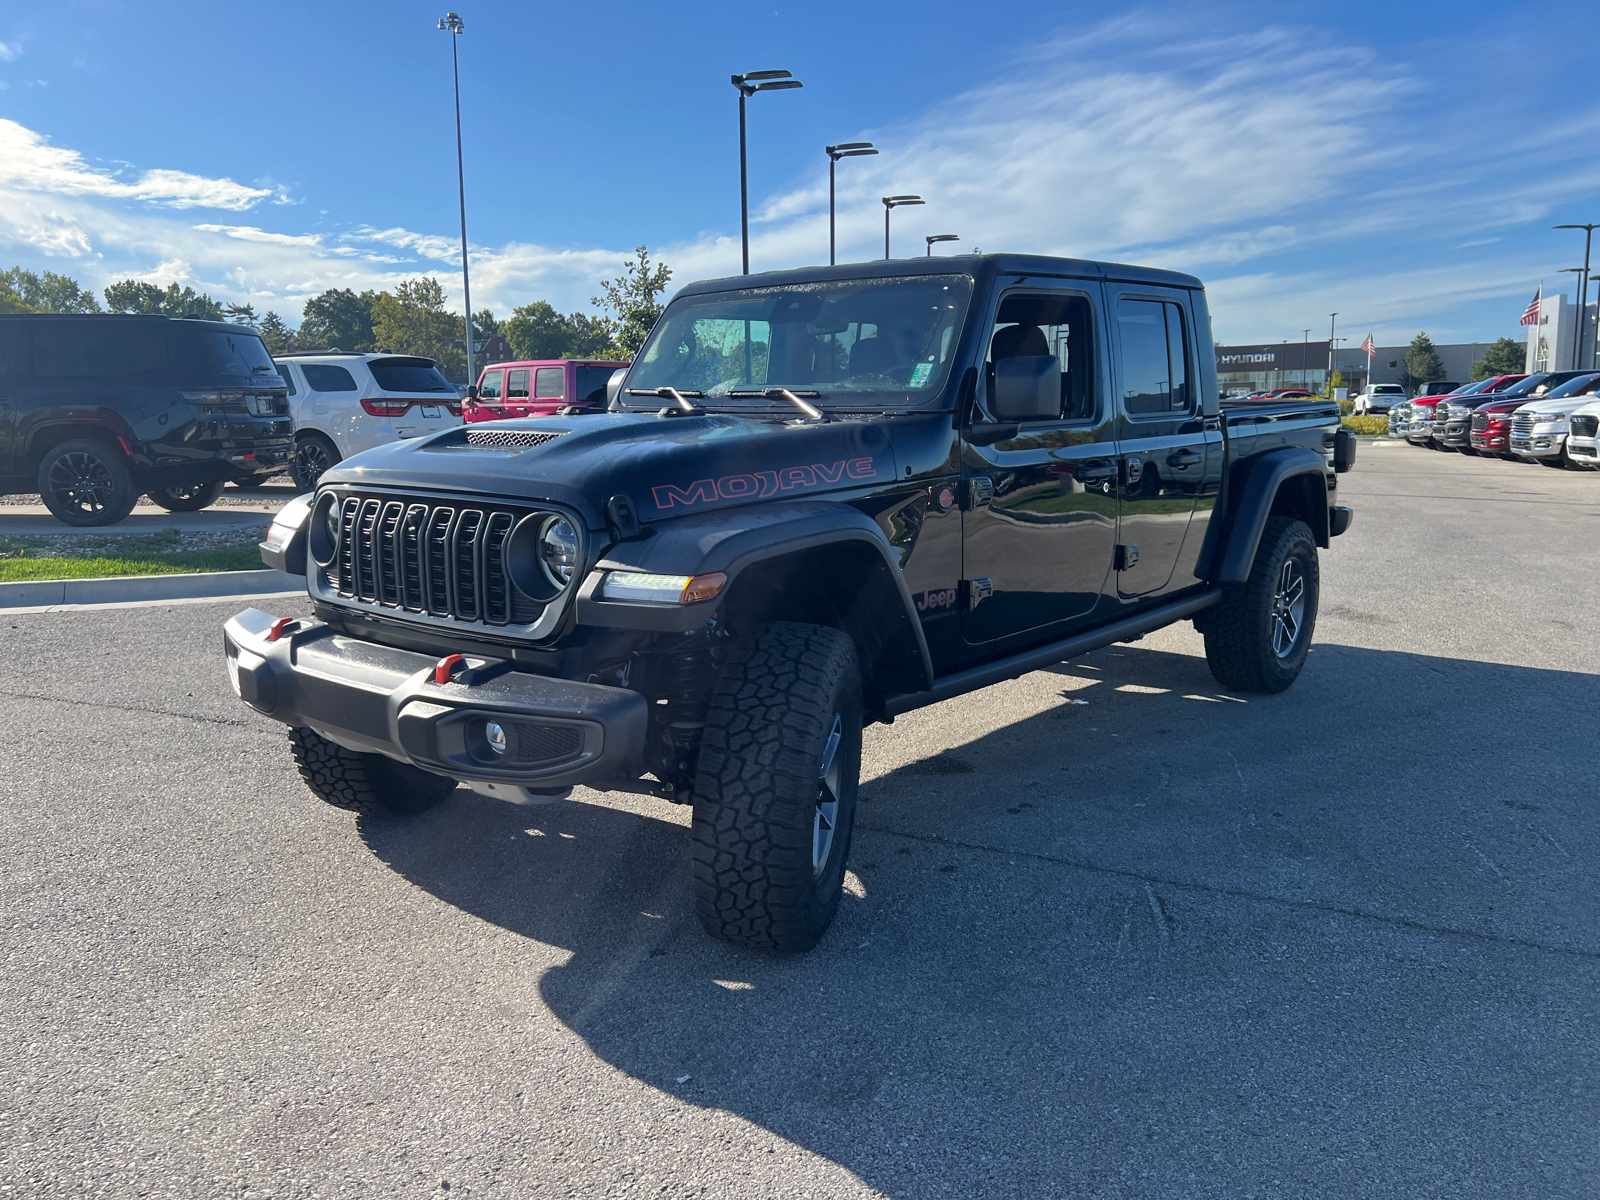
[855, 342]
[1475, 388]
[1580, 386]
[1526, 386]
[408, 375]
[241, 355]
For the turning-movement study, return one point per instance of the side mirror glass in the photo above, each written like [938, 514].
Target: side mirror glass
[1027, 388]
[472, 391]
[614, 385]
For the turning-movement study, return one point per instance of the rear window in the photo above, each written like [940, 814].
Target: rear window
[320, 377]
[592, 384]
[97, 350]
[240, 355]
[1387, 389]
[408, 375]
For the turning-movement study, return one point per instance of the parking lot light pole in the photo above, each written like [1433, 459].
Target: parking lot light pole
[453, 24]
[1583, 298]
[890, 203]
[1305, 351]
[749, 84]
[1333, 327]
[1577, 341]
[940, 237]
[835, 153]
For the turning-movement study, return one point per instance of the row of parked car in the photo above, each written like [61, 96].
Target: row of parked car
[1550, 417]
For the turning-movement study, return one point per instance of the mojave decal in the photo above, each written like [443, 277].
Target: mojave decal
[758, 485]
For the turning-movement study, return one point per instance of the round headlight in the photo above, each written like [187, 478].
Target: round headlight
[323, 534]
[558, 551]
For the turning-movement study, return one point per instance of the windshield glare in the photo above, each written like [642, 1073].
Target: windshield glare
[860, 342]
[1572, 387]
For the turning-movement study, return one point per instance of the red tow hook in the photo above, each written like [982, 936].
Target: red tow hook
[445, 669]
[279, 628]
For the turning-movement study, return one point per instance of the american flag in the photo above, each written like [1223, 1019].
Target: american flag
[1530, 315]
[1368, 347]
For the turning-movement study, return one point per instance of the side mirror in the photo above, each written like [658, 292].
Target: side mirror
[1027, 388]
[472, 391]
[614, 386]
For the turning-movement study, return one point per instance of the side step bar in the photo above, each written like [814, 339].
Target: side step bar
[1010, 667]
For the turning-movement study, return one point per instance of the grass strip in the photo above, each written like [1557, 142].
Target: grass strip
[231, 558]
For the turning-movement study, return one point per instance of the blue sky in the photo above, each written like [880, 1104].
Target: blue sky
[1401, 164]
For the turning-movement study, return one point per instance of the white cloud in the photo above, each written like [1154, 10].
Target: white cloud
[9, 51]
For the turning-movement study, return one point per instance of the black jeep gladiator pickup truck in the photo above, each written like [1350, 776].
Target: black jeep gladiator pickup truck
[820, 498]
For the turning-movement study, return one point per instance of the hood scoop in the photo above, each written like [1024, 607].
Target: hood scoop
[518, 438]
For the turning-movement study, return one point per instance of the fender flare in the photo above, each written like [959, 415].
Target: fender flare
[1251, 504]
[736, 540]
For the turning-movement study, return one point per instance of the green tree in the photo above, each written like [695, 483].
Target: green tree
[337, 319]
[538, 331]
[279, 338]
[48, 292]
[1336, 380]
[632, 298]
[131, 296]
[1506, 357]
[484, 325]
[414, 320]
[1423, 364]
[241, 314]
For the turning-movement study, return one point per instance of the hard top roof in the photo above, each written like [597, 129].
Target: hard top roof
[979, 266]
[227, 326]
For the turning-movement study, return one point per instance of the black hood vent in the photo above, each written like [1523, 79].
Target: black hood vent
[510, 437]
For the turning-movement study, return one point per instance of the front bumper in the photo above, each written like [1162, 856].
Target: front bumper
[1538, 445]
[1584, 449]
[1491, 441]
[383, 700]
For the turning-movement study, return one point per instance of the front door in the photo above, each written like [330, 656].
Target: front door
[1162, 468]
[1040, 509]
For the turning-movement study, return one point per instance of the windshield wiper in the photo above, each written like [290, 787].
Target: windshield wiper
[794, 398]
[673, 394]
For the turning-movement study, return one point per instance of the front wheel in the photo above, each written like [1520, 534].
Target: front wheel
[187, 499]
[775, 793]
[364, 783]
[1258, 636]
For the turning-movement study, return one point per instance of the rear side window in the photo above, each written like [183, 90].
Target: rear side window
[320, 377]
[489, 389]
[288, 379]
[98, 350]
[408, 375]
[549, 383]
[592, 384]
[1155, 360]
[517, 384]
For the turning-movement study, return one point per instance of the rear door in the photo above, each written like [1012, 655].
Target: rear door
[1162, 434]
[333, 405]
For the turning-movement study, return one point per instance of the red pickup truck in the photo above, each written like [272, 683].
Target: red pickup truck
[539, 388]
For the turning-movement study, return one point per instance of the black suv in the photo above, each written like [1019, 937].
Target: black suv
[95, 410]
[821, 498]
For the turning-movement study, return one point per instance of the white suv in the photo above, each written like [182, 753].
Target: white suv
[1379, 398]
[1539, 430]
[344, 403]
[1583, 436]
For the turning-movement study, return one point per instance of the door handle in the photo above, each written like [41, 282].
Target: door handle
[1182, 459]
[1134, 469]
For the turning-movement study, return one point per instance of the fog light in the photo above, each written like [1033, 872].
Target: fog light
[495, 734]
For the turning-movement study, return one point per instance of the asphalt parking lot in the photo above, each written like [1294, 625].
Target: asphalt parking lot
[1111, 931]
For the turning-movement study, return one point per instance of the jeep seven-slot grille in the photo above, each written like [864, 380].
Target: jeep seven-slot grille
[1586, 426]
[439, 560]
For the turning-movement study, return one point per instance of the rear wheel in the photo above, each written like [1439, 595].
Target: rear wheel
[364, 783]
[314, 453]
[187, 499]
[775, 794]
[1257, 638]
[86, 482]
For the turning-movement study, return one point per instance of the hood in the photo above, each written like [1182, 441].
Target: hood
[667, 466]
[1563, 404]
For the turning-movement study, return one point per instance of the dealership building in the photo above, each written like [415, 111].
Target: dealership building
[1305, 364]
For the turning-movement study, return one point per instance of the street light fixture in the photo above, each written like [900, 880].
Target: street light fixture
[835, 153]
[452, 23]
[749, 84]
[890, 203]
[1583, 300]
[940, 237]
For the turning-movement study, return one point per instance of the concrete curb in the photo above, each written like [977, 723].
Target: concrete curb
[120, 589]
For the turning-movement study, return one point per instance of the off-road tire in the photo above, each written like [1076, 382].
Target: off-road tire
[756, 793]
[313, 454]
[364, 783]
[187, 499]
[86, 483]
[1239, 630]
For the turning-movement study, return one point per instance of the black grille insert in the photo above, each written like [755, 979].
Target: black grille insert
[508, 437]
[1585, 425]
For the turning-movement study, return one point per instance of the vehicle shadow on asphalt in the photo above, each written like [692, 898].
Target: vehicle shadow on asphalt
[1161, 972]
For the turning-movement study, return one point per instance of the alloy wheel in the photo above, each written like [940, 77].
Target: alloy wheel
[82, 482]
[1288, 608]
[311, 459]
[827, 816]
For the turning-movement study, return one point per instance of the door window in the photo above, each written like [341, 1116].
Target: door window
[548, 383]
[1034, 324]
[1155, 358]
[489, 389]
[517, 384]
[320, 377]
[288, 379]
